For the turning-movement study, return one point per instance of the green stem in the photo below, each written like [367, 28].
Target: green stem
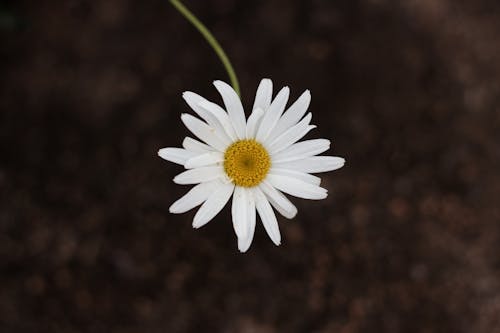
[211, 40]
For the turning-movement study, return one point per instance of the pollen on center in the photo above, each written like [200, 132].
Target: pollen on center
[246, 163]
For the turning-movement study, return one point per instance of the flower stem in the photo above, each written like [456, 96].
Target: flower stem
[211, 40]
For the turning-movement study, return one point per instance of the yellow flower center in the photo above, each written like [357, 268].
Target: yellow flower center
[246, 162]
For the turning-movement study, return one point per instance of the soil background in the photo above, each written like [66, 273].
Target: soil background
[408, 239]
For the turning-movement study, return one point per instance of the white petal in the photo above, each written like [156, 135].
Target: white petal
[199, 175]
[239, 212]
[233, 107]
[253, 122]
[206, 159]
[273, 114]
[195, 101]
[244, 243]
[315, 164]
[264, 95]
[203, 131]
[281, 203]
[221, 116]
[195, 145]
[302, 150]
[305, 177]
[213, 205]
[297, 187]
[195, 197]
[176, 155]
[292, 115]
[267, 216]
[292, 135]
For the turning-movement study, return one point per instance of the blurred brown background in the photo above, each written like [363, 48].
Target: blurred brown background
[407, 241]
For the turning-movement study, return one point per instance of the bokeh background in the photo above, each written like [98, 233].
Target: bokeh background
[407, 241]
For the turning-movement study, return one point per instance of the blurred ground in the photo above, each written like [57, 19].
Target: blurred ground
[407, 241]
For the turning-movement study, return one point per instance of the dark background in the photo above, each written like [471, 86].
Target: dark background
[407, 241]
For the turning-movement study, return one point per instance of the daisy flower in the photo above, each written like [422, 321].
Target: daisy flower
[254, 160]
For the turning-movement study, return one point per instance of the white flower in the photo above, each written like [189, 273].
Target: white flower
[254, 159]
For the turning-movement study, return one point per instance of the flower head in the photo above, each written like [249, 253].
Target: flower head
[254, 160]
